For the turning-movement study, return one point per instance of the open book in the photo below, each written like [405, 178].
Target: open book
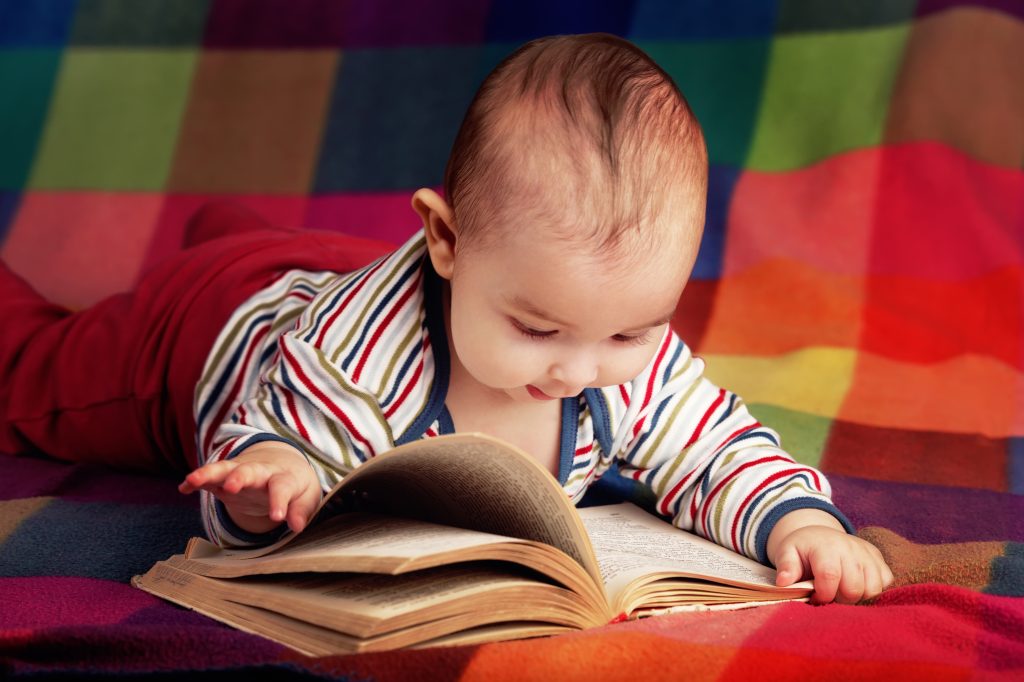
[454, 540]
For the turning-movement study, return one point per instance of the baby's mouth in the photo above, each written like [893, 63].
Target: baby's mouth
[538, 394]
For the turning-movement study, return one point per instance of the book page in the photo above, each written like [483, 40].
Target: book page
[467, 480]
[357, 541]
[320, 636]
[365, 604]
[631, 544]
[374, 543]
[473, 481]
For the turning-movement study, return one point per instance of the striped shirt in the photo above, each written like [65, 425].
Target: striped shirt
[346, 366]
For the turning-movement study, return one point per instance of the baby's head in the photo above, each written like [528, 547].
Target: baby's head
[586, 135]
[580, 157]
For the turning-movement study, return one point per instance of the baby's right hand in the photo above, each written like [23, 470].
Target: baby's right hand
[265, 484]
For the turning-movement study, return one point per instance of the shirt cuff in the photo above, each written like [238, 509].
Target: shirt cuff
[224, 520]
[761, 542]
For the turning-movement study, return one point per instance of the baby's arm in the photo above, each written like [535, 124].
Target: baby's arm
[268, 483]
[811, 543]
[732, 483]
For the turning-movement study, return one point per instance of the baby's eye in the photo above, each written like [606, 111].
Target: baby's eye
[633, 340]
[532, 333]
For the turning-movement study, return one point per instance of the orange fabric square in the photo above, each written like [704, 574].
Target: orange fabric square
[966, 394]
[784, 305]
[78, 247]
[254, 121]
[642, 654]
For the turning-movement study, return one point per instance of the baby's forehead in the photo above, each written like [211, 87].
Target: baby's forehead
[566, 198]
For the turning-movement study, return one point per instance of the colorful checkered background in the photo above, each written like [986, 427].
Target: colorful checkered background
[860, 283]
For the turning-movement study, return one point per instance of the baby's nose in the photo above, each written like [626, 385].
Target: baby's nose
[575, 373]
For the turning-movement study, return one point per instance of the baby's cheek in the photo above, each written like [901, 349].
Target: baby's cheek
[493, 360]
[512, 366]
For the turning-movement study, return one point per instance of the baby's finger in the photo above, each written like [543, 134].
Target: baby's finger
[245, 475]
[851, 584]
[880, 577]
[789, 568]
[207, 477]
[282, 488]
[874, 583]
[887, 577]
[827, 574]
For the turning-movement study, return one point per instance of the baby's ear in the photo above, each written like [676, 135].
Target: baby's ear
[439, 226]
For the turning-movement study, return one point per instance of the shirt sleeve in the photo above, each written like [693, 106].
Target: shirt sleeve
[306, 400]
[713, 468]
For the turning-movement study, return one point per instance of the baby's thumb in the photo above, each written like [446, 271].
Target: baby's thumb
[788, 567]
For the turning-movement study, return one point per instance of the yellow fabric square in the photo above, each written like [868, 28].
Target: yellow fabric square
[812, 380]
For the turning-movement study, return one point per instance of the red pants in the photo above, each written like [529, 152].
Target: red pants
[114, 383]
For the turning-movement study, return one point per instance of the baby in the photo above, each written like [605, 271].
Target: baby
[534, 306]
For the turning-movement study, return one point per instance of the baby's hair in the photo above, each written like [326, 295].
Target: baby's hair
[579, 112]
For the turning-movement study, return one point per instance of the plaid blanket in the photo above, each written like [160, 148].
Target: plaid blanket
[861, 285]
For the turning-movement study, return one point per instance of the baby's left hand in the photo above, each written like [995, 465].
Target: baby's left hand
[805, 545]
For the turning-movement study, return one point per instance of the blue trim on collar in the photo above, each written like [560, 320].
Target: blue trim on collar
[599, 417]
[445, 423]
[434, 314]
[569, 434]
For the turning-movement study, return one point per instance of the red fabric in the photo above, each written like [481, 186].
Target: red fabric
[114, 383]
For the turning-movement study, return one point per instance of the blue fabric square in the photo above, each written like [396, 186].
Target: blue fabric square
[39, 22]
[394, 114]
[721, 182]
[527, 19]
[8, 206]
[702, 19]
[1007, 572]
[104, 540]
[1015, 463]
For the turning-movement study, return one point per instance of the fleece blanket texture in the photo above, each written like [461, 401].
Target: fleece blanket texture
[860, 284]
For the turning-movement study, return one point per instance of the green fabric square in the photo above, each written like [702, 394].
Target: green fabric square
[26, 80]
[114, 120]
[130, 22]
[722, 81]
[825, 93]
[803, 435]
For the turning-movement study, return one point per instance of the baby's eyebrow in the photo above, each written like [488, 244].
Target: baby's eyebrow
[665, 319]
[528, 307]
[531, 309]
